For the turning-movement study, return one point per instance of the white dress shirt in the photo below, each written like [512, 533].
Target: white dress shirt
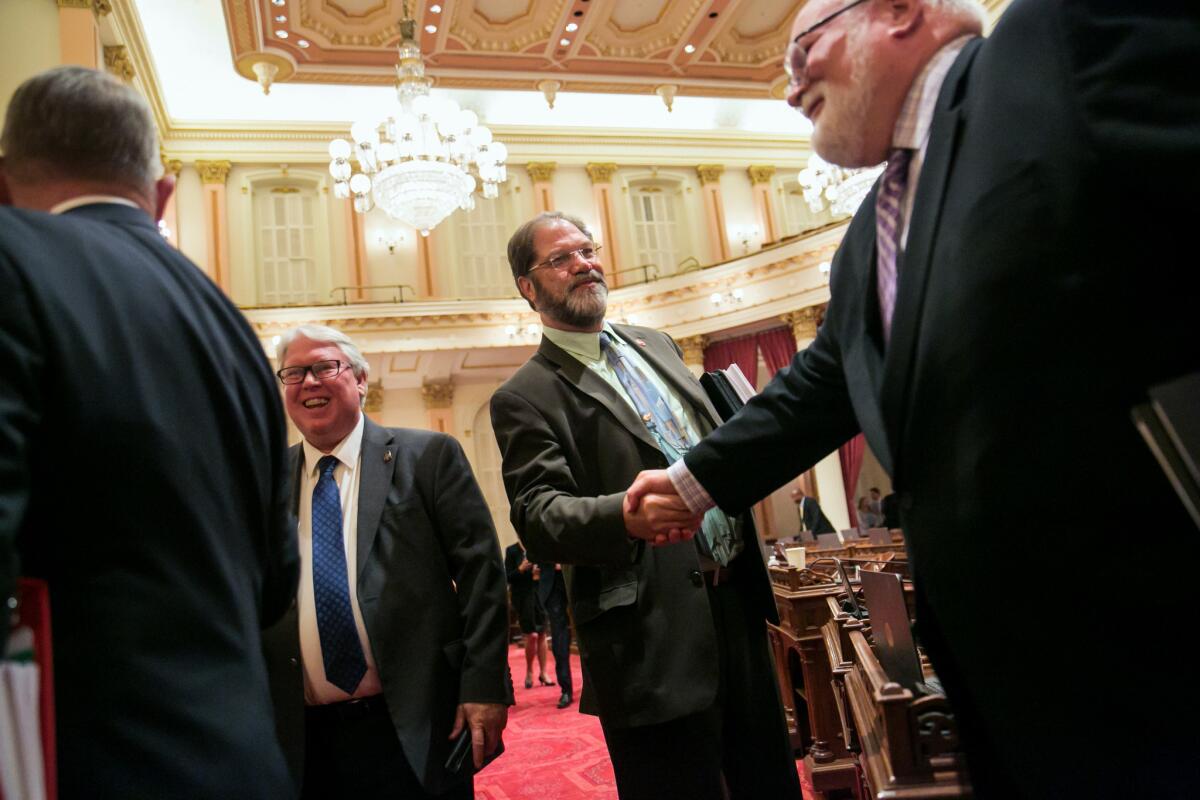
[347, 474]
[90, 199]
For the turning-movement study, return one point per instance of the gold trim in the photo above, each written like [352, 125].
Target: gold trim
[101, 8]
[541, 171]
[374, 401]
[760, 173]
[709, 173]
[600, 173]
[437, 395]
[74, 3]
[285, 190]
[213, 171]
[693, 349]
[116, 60]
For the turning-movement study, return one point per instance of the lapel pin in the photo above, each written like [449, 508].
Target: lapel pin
[387, 456]
[640, 342]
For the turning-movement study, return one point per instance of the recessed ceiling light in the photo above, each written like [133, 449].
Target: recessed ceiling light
[281, 18]
[281, 34]
[572, 27]
[431, 28]
[435, 9]
[689, 48]
[302, 42]
[279, 2]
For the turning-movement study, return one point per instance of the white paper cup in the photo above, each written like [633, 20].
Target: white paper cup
[795, 557]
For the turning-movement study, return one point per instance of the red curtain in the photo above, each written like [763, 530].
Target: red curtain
[851, 457]
[777, 346]
[742, 351]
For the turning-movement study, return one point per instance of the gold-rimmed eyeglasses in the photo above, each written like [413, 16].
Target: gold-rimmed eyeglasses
[590, 254]
[795, 61]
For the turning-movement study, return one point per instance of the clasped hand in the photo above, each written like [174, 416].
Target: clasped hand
[486, 721]
[655, 512]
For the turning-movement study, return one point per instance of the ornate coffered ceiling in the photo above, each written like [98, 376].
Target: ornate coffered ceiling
[711, 48]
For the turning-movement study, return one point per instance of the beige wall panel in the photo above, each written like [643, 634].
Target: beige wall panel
[740, 212]
[29, 43]
[189, 205]
[573, 194]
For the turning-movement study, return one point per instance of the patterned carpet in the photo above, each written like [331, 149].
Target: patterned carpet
[550, 754]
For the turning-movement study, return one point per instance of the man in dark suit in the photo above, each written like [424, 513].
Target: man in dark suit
[142, 450]
[1026, 176]
[812, 518]
[398, 638]
[552, 593]
[672, 640]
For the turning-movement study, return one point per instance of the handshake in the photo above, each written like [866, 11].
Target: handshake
[654, 511]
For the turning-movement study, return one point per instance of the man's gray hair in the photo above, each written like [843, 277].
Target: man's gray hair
[72, 122]
[325, 335]
[521, 252]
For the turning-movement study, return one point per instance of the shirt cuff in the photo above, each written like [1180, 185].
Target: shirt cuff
[688, 488]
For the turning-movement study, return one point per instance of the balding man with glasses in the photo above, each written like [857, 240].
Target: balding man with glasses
[397, 643]
[672, 638]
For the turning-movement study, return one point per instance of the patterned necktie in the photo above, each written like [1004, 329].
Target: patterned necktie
[887, 232]
[340, 648]
[716, 536]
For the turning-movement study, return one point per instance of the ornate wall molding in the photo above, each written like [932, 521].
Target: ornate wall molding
[601, 173]
[709, 173]
[693, 349]
[437, 395]
[374, 401]
[213, 171]
[117, 61]
[541, 171]
[760, 173]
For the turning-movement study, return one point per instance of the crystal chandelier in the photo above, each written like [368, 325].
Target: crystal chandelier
[417, 163]
[843, 189]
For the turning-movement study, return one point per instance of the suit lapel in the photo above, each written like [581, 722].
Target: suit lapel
[296, 466]
[374, 483]
[917, 260]
[589, 383]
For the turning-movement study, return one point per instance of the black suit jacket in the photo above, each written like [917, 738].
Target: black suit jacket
[571, 446]
[1049, 279]
[432, 594]
[142, 474]
[813, 517]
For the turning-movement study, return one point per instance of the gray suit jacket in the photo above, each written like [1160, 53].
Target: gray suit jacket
[431, 590]
[571, 446]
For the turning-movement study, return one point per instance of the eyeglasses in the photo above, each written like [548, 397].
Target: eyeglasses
[796, 59]
[321, 370]
[589, 254]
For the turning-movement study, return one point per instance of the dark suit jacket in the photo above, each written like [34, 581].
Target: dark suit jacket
[432, 594]
[571, 446]
[814, 518]
[142, 474]
[1040, 219]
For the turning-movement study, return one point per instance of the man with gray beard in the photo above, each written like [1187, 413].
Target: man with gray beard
[672, 637]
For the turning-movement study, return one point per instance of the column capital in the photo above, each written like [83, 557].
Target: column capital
[760, 173]
[693, 348]
[804, 322]
[374, 402]
[116, 60]
[541, 171]
[601, 173]
[213, 171]
[102, 8]
[709, 173]
[437, 395]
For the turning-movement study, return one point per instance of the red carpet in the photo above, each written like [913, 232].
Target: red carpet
[551, 754]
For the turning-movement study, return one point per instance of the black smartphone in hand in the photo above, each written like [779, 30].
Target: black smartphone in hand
[458, 753]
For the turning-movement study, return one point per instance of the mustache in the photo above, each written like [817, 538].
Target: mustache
[590, 275]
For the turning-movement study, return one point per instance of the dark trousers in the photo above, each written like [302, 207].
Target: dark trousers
[352, 752]
[560, 634]
[741, 741]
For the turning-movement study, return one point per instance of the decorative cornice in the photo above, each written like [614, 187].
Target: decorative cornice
[601, 173]
[804, 323]
[102, 8]
[74, 3]
[116, 59]
[693, 349]
[374, 403]
[437, 395]
[213, 171]
[541, 171]
[709, 173]
[760, 173]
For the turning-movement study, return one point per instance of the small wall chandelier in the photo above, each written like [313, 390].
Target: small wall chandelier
[420, 163]
[842, 189]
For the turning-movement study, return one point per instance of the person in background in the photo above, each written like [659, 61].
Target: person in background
[812, 518]
[523, 584]
[867, 518]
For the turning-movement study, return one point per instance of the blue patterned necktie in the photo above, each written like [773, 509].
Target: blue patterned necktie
[716, 536]
[340, 648]
[888, 227]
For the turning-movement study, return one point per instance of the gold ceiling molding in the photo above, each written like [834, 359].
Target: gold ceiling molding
[116, 60]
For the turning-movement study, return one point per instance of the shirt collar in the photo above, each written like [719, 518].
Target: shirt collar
[581, 344]
[916, 115]
[346, 451]
[89, 199]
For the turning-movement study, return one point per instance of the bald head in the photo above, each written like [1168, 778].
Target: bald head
[852, 64]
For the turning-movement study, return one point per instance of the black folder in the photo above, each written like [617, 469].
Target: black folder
[1170, 423]
[721, 394]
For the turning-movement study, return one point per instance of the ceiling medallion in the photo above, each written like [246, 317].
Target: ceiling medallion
[419, 162]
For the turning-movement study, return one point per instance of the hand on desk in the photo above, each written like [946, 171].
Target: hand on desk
[486, 721]
[654, 512]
